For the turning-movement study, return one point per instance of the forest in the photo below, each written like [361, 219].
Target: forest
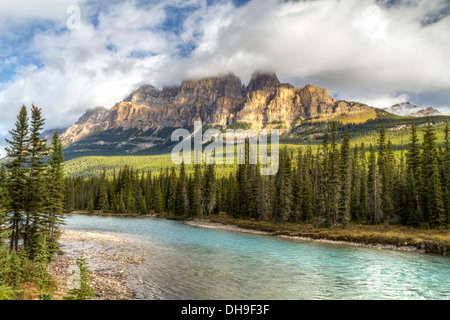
[336, 184]
[332, 185]
[31, 212]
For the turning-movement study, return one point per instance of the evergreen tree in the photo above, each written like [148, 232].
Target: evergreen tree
[428, 199]
[284, 187]
[355, 205]
[333, 174]
[210, 189]
[298, 186]
[82, 291]
[446, 173]
[435, 203]
[385, 174]
[181, 194]
[344, 196]
[374, 205]
[262, 201]
[54, 200]
[308, 204]
[363, 190]
[17, 152]
[195, 200]
[157, 198]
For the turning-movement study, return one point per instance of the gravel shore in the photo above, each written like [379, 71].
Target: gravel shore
[111, 259]
[220, 226]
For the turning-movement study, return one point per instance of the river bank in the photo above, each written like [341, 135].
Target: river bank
[220, 226]
[379, 237]
[110, 258]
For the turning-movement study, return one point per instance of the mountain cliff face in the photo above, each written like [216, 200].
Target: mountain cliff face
[219, 101]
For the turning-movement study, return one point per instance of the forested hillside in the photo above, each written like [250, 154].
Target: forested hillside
[335, 183]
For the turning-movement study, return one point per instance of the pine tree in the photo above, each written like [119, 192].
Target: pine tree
[54, 184]
[374, 203]
[427, 197]
[344, 196]
[298, 185]
[446, 173]
[262, 201]
[333, 174]
[413, 179]
[158, 198]
[385, 170]
[83, 291]
[18, 174]
[323, 204]
[363, 195]
[210, 189]
[435, 203]
[195, 199]
[308, 203]
[35, 183]
[171, 189]
[284, 187]
[355, 206]
[181, 194]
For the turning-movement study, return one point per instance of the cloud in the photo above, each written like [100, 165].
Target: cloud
[376, 52]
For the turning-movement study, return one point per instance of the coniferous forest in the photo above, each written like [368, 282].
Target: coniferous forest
[338, 184]
[32, 202]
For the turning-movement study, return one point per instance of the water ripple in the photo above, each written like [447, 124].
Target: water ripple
[186, 262]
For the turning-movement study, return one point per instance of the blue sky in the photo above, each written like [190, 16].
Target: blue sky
[378, 52]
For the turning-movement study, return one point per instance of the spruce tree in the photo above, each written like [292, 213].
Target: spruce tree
[427, 196]
[446, 173]
[195, 200]
[35, 185]
[355, 206]
[435, 203]
[333, 174]
[344, 171]
[181, 194]
[17, 152]
[209, 189]
[157, 198]
[54, 200]
[373, 189]
[363, 195]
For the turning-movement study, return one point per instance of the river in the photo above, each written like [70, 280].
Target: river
[187, 262]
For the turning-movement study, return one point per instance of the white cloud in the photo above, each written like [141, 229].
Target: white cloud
[15, 13]
[359, 50]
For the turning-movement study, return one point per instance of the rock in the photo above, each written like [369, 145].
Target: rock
[221, 100]
[263, 81]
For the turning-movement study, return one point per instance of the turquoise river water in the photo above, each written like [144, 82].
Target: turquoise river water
[186, 262]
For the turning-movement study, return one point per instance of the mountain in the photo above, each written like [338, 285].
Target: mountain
[48, 134]
[146, 117]
[406, 109]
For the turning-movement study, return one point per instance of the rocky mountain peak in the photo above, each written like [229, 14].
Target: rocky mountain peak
[93, 116]
[407, 109]
[209, 88]
[145, 94]
[263, 81]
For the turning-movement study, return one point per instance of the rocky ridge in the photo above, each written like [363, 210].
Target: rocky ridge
[217, 101]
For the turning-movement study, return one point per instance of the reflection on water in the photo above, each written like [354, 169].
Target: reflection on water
[186, 262]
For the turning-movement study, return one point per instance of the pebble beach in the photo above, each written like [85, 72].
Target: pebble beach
[110, 258]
